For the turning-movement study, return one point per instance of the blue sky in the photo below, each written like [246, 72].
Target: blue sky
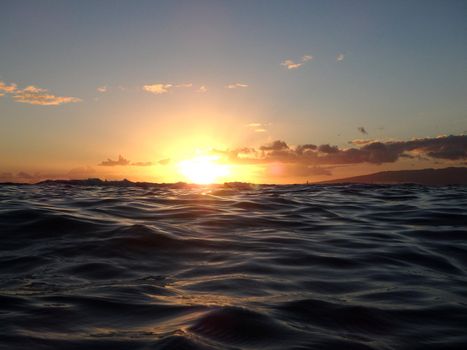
[401, 74]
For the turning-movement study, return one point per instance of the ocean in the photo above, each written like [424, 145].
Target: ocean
[233, 267]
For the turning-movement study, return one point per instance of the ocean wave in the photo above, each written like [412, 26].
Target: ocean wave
[246, 267]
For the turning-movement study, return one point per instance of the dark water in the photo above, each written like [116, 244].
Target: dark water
[286, 267]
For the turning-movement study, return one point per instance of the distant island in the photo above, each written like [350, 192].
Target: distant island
[436, 177]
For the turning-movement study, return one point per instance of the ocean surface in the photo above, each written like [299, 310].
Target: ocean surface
[266, 267]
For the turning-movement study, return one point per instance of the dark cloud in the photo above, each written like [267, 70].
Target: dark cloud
[304, 148]
[328, 149]
[119, 161]
[451, 147]
[123, 162]
[362, 130]
[164, 161]
[275, 146]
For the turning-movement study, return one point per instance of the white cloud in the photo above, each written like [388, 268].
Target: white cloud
[340, 57]
[102, 89]
[257, 127]
[290, 64]
[236, 86]
[202, 89]
[162, 88]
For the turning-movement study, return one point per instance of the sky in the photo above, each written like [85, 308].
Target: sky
[257, 91]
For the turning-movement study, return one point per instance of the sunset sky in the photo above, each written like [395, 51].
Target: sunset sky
[259, 91]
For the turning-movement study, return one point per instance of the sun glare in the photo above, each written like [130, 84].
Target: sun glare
[203, 169]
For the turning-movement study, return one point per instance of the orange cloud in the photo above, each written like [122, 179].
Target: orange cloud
[158, 88]
[7, 88]
[36, 96]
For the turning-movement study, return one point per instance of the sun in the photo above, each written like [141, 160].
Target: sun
[203, 169]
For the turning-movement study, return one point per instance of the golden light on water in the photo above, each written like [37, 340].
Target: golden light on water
[203, 170]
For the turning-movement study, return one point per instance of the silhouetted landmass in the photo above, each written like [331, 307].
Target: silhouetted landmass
[127, 183]
[438, 177]
[114, 183]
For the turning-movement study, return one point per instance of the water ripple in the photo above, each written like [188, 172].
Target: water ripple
[263, 267]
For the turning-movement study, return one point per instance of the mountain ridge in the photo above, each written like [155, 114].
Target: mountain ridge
[430, 176]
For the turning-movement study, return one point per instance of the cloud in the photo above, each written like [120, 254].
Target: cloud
[236, 86]
[34, 95]
[119, 161]
[450, 148]
[11, 88]
[202, 89]
[38, 96]
[290, 64]
[277, 145]
[102, 89]
[257, 127]
[360, 142]
[362, 130]
[163, 88]
[164, 161]
[340, 57]
[300, 149]
[158, 88]
[142, 164]
[328, 149]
